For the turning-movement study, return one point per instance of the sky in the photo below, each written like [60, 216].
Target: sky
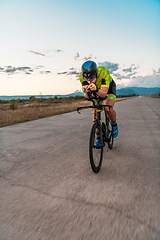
[43, 43]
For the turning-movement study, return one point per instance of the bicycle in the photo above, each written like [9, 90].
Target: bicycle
[104, 130]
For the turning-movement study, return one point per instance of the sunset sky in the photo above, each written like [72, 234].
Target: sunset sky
[44, 43]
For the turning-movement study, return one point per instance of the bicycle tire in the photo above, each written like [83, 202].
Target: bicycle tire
[110, 139]
[95, 154]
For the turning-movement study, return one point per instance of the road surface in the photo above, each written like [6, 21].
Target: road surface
[47, 188]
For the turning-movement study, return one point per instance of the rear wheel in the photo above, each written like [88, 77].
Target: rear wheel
[96, 153]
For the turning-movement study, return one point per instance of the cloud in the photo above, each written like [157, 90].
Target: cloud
[119, 76]
[38, 53]
[125, 73]
[11, 70]
[62, 73]
[40, 66]
[73, 73]
[24, 70]
[156, 71]
[69, 73]
[90, 57]
[45, 53]
[58, 50]
[45, 72]
[145, 81]
[54, 50]
[131, 69]
[130, 72]
[76, 56]
[112, 67]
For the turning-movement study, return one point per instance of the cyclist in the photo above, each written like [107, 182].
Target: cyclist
[98, 80]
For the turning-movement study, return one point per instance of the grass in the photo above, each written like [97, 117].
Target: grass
[153, 95]
[18, 111]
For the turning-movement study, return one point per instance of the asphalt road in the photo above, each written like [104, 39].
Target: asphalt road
[47, 188]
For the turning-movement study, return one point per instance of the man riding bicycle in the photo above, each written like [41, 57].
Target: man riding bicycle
[99, 81]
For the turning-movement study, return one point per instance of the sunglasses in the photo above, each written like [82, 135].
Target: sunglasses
[91, 77]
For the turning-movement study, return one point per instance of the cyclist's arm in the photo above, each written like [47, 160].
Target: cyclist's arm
[86, 95]
[102, 92]
[105, 85]
[85, 88]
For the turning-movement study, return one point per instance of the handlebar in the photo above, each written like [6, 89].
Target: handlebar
[93, 106]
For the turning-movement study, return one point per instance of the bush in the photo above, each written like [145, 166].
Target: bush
[13, 105]
[32, 98]
[4, 101]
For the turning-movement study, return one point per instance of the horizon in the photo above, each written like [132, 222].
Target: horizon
[42, 95]
[43, 53]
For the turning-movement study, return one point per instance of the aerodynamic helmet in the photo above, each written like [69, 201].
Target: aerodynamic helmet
[89, 70]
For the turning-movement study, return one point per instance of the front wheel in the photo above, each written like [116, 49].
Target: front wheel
[96, 153]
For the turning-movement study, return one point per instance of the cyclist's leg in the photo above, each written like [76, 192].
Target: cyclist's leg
[110, 112]
[93, 114]
[97, 140]
[110, 100]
